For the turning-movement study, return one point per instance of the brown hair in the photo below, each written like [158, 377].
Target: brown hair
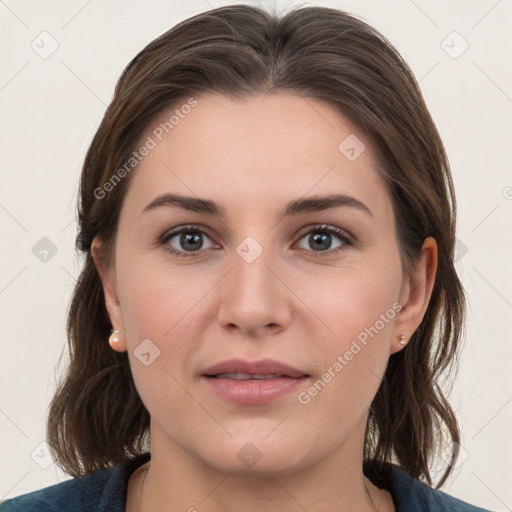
[96, 418]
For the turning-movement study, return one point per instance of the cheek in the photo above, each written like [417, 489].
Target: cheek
[155, 296]
[357, 322]
[165, 305]
[156, 308]
[353, 298]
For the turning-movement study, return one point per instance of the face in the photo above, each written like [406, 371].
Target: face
[318, 288]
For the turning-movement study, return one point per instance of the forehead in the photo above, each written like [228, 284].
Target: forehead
[257, 150]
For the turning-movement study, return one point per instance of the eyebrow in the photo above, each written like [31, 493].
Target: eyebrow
[296, 207]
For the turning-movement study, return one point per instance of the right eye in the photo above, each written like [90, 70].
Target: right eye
[185, 241]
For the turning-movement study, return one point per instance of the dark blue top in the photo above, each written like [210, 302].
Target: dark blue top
[105, 491]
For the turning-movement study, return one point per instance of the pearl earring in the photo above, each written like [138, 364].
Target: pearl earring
[114, 338]
[402, 339]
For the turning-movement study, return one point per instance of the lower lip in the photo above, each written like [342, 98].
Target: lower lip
[254, 391]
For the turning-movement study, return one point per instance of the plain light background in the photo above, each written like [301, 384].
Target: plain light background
[51, 104]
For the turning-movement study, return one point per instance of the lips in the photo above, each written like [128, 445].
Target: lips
[253, 382]
[242, 370]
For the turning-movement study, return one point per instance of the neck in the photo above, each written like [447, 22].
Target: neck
[175, 480]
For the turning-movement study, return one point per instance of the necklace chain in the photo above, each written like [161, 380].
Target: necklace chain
[146, 474]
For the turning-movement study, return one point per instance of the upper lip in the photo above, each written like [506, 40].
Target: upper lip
[261, 367]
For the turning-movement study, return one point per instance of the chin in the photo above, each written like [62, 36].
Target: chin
[260, 457]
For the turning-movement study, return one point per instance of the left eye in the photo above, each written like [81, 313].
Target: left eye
[320, 238]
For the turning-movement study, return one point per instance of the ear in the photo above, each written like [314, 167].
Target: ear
[107, 276]
[415, 294]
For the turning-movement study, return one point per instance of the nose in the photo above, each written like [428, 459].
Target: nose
[254, 297]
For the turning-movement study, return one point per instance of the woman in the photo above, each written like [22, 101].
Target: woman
[287, 359]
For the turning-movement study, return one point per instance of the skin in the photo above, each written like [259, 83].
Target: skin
[293, 303]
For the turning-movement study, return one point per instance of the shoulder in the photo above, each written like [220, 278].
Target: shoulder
[411, 494]
[102, 490]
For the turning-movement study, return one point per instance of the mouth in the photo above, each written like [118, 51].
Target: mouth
[252, 383]
[248, 376]
[242, 370]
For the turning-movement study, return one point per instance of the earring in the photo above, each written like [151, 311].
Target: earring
[402, 339]
[114, 338]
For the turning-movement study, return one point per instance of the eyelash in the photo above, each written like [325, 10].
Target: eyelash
[319, 228]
